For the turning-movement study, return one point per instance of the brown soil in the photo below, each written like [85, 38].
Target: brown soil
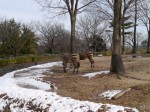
[137, 77]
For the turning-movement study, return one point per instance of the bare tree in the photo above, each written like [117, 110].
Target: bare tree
[48, 36]
[135, 23]
[53, 37]
[130, 40]
[144, 15]
[127, 4]
[62, 44]
[116, 60]
[67, 6]
[89, 26]
[103, 8]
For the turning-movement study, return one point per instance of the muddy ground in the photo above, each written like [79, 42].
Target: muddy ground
[137, 77]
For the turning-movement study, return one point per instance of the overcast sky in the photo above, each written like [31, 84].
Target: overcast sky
[25, 11]
[21, 10]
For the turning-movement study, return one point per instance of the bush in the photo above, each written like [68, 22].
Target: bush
[23, 60]
[4, 62]
[33, 59]
[12, 61]
[106, 53]
[26, 59]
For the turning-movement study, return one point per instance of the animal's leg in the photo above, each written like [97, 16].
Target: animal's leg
[65, 66]
[77, 66]
[77, 70]
[73, 67]
[74, 70]
[93, 63]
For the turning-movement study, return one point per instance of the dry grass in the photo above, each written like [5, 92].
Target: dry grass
[137, 77]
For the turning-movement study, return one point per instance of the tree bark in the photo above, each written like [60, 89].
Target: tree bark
[123, 35]
[116, 60]
[72, 41]
[135, 22]
[72, 9]
[148, 41]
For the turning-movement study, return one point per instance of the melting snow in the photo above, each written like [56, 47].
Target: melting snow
[110, 93]
[90, 75]
[21, 99]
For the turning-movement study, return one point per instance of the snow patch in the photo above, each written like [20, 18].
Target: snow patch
[109, 93]
[99, 55]
[21, 99]
[90, 75]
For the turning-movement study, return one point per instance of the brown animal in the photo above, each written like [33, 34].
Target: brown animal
[66, 58]
[90, 57]
[75, 61]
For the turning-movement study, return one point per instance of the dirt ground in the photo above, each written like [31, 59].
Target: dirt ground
[137, 77]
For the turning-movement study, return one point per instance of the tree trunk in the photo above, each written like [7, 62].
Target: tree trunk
[135, 22]
[148, 41]
[52, 46]
[72, 41]
[123, 35]
[116, 60]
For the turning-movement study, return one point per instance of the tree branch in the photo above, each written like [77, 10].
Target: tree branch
[86, 5]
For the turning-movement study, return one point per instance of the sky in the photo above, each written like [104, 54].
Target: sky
[25, 11]
[21, 10]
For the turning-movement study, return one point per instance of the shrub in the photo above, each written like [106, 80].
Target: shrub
[106, 53]
[33, 59]
[12, 61]
[23, 59]
[4, 62]
[26, 59]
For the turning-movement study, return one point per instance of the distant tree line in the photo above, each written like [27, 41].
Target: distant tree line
[16, 38]
[48, 37]
[54, 38]
[123, 14]
[89, 31]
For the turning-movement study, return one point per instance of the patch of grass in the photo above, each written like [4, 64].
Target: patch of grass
[106, 53]
[23, 59]
[5, 62]
[26, 59]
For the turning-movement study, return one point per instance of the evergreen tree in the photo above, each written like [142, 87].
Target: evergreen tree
[14, 42]
[97, 44]
[29, 41]
[16, 38]
[126, 24]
